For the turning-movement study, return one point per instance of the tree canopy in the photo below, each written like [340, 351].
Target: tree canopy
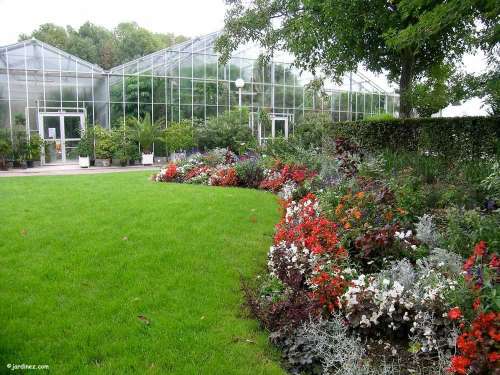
[404, 38]
[106, 48]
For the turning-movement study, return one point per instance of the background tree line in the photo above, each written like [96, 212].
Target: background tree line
[416, 43]
[106, 48]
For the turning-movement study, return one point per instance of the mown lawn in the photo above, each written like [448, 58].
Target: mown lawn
[113, 273]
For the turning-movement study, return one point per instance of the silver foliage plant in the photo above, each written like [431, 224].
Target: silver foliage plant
[337, 350]
[342, 353]
[427, 231]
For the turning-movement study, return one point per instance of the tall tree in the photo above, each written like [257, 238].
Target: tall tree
[101, 46]
[49, 33]
[404, 38]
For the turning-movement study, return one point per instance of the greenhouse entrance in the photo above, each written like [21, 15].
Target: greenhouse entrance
[61, 133]
[276, 128]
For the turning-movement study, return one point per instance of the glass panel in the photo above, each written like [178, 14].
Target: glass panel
[279, 128]
[72, 127]
[71, 150]
[52, 136]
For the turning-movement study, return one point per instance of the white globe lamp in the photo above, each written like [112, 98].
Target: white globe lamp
[239, 83]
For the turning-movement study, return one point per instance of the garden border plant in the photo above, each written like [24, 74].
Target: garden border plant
[352, 250]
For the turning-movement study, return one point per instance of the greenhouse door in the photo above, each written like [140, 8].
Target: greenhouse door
[280, 127]
[61, 132]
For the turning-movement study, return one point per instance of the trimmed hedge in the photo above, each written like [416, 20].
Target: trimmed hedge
[453, 137]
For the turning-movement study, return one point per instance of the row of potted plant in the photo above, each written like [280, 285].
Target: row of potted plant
[132, 142]
[22, 149]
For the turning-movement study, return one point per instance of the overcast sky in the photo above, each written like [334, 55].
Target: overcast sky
[186, 17]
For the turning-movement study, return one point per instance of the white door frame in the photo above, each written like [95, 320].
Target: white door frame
[61, 115]
[273, 127]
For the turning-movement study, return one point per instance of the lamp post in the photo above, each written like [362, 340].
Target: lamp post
[239, 84]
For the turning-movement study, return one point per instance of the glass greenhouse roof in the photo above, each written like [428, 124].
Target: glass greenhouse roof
[185, 81]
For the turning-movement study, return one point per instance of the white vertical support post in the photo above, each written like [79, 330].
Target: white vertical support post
[205, 81]
[138, 90]
[77, 88]
[108, 98]
[60, 84]
[192, 84]
[152, 91]
[93, 99]
[179, 87]
[8, 95]
[166, 86]
[273, 81]
[284, 90]
[217, 86]
[124, 97]
[26, 111]
[43, 77]
[228, 80]
[349, 97]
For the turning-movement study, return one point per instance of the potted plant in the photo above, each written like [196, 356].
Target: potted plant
[146, 133]
[34, 150]
[19, 146]
[133, 154]
[5, 149]
[85, 148]
[103, 147]
[123, 145]
[179, 138]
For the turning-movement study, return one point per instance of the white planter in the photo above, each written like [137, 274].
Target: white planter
[147, 159]
[177, 156]
[84, 161]
[102, 163]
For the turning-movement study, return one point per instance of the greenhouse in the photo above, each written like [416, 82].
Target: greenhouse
[55, 94]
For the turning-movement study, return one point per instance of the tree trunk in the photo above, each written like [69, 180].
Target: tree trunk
[405, 82]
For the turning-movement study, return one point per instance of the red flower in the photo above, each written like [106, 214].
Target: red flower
[480, 249]
[494, 356]
[171, 172]
[459, 364]
[454, 313]
[494, 262]
[476, 304]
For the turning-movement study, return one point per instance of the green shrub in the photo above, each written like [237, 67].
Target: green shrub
[145, 132]
[491, 184]
[19, 143]
[103, 143]
[310, 129]
[124, 147]
[249, 173]
[380, 117]
[34, 147]
[5, 148]
[179, 136]
[453, 138]
[229, 130]
[86, 144]
[465, 228]
[293, 152]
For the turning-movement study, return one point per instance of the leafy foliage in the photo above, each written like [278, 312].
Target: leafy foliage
[179, 136]
[460, 138]
[405, 38]
[106, 48]
[228, 130]
[145, 132]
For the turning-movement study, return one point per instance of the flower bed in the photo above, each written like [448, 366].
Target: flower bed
[348, 259]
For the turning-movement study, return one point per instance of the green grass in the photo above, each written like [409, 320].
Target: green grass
[81, 257]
